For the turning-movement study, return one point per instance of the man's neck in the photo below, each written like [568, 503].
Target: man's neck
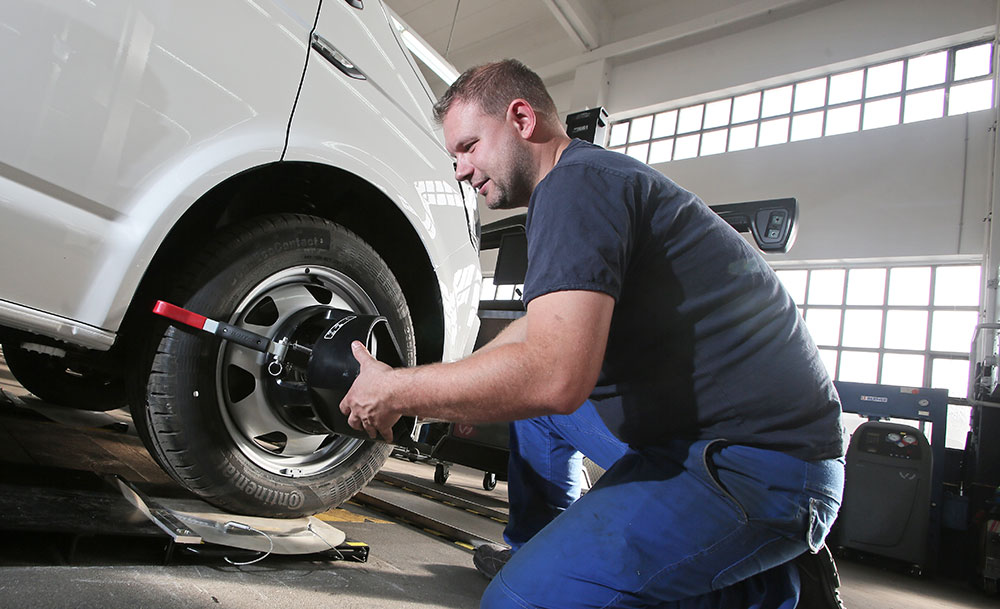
[550, 154]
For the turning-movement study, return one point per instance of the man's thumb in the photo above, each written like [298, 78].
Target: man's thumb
[360, 353]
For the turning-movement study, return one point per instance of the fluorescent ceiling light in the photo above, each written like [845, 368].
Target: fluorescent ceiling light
[423, 51]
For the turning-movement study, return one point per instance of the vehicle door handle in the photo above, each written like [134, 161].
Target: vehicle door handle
[358, 4]
[338, 59]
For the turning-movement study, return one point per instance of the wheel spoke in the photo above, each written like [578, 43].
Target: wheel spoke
[245, 358]
[262, 330]
[302, 444]
[254, 417]
[291, 298]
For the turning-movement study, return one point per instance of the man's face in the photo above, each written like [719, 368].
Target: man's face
[490, 155]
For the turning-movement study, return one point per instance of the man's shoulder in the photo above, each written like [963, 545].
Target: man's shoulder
[584, 155]
[587, 168]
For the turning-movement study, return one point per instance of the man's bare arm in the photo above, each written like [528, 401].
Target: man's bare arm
[551, 370]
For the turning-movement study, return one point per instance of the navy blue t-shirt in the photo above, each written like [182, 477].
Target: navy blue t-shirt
[704, 340]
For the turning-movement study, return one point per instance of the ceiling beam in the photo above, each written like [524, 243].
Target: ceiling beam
[580, 22]
[725, 18]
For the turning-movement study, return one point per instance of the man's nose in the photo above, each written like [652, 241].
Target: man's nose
[463, 170]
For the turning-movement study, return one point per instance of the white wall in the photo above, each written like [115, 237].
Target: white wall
[847, 32]
[908, 190]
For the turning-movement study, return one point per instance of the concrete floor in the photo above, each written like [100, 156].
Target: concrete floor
[407, 567]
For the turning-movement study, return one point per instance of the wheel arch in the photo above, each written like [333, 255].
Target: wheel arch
[314, 189]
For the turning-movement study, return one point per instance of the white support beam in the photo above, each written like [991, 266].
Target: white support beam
[580, 21]
[724, 18]
[590, 86]
[422, 49]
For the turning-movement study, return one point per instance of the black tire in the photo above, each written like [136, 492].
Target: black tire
[64, 381]
[441, 473]
[206, 418]
[489, 481]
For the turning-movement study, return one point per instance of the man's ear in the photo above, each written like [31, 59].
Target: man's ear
[522, 117]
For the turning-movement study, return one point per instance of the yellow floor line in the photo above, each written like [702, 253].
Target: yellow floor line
[342, 515]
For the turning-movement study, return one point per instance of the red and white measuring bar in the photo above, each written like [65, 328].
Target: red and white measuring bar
[240, 336]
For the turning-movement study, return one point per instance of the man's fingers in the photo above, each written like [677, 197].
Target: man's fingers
[386, 433]
[360, 353]
[353, 419]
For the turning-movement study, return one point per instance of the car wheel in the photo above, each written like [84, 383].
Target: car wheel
[210, 413]
[63, 380]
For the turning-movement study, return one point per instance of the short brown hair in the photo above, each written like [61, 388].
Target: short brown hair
[493, 86]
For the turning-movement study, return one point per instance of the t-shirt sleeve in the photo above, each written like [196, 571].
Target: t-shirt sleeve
[580, 232]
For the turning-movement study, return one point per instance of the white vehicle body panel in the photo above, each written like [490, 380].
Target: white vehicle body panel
[400, 162]
[126, 112]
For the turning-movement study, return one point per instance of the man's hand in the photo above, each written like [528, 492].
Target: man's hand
[367, 404]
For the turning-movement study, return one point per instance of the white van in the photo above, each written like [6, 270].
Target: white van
[249, 160]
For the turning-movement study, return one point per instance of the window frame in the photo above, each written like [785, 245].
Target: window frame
[863, 101]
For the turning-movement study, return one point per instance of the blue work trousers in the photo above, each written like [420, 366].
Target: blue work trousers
[692, 524]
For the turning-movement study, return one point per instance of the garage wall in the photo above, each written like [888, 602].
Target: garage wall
[911, 190]
[837, 36]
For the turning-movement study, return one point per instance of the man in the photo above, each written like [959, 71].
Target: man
[644, 307]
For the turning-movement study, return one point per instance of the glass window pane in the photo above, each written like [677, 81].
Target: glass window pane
[690, 119]
[742, 138]
[862, 328]
[957, 286]
[686, 147]
[807, 126]
[826, 287]
[973, 61]
[924, 106]
[882, 113]
[717, 113]
[824, 326]
[795, 283]
[972, 97]
[619, 134]
[810, 94]
[505, 292]
[777, 101]
[910, 286]
[953, 375]
[829, 358]
[665, 124]
[906, 330]
[713, 142]
[952, 330]
[641, 128]
[866, 287]
[846, 87]
[884, 79]
[660, 152]
[489, 290]
[959, 424]
[774, 132]
[746, 107]
[927, 70]
[638, 151]
[846, 119]
[903, 369]
[858, 367]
